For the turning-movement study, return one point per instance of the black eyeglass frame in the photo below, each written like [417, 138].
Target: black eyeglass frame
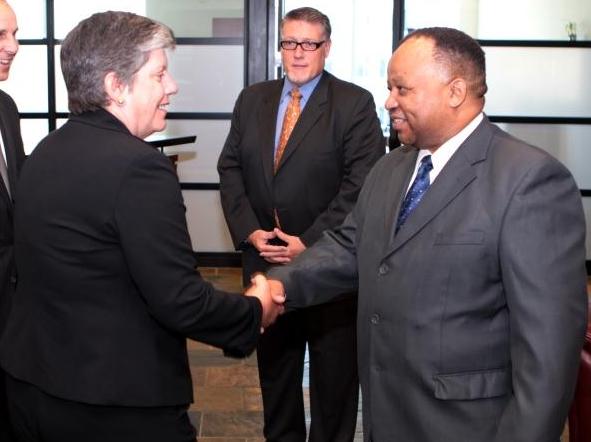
[312, 45]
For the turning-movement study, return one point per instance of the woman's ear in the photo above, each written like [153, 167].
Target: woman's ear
[115, 89]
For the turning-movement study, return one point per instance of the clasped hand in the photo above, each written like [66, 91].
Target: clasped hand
[271, 295]
[276, 254]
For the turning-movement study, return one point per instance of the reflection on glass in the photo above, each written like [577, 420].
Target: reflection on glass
[28, 74]
[33, 131]
[361, 43]
[30, 16]
[187, 18]
[504, 19]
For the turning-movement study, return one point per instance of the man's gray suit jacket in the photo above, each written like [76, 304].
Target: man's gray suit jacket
[471, 318]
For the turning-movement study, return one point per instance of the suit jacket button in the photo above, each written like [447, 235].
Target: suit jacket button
[375, 318]
[383, 269]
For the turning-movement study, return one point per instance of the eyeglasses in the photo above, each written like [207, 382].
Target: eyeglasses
[290, 45]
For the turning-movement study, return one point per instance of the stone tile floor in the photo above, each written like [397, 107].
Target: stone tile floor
[228, 405]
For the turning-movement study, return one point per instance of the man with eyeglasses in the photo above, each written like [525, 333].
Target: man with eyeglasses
[292, 166]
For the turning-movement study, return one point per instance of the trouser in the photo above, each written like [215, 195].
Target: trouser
[37, 416]
[330, 332]
[5, 426]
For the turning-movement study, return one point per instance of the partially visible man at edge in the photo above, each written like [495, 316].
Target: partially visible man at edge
[472, 306]
[13, 156]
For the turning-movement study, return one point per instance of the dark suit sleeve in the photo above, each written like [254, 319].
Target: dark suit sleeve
[363, 144]
[323, 272]
[239, 214]
[150, 217]
[542, 257]
[329, 268]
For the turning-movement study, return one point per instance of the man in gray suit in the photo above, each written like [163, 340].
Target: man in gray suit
[472, 306]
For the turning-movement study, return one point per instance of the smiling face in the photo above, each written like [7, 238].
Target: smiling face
[145, 102]
[302, 66]
[419, 99]
[8, 42]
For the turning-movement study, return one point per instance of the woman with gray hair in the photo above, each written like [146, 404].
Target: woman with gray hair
[95, 344]
[117, 61]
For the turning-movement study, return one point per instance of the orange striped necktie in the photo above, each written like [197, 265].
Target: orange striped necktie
[292, 113]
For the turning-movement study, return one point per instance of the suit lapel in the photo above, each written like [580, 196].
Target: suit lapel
[267, 121]
[453, 179]
[314, 109]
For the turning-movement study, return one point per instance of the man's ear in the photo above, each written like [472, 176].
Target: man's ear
[326, 47]
[458, 91]
[114, 88]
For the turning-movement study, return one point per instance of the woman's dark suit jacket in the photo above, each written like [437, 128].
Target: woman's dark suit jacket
[108, 289]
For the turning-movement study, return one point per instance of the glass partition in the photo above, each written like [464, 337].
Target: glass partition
[567, 142]
[209, 231]
[197, 162]
[30, 17]
[33, 131]
[526, 81]
[28, 74]
[504, 19]
[204, 18]
[210, 84]
[187, 18]
[209, 77]
[68, 14]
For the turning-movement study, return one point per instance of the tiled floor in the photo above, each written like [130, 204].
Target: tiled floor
[228, 405]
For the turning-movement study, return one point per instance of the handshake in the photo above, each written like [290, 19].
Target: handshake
[272, 296]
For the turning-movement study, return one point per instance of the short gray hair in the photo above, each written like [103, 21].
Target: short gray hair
[111, 41]
[309, 15]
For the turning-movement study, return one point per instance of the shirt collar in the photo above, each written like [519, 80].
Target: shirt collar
[441, 156]
[306, 89]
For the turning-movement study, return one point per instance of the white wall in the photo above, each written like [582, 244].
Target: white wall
[504, 19]
[533, 19]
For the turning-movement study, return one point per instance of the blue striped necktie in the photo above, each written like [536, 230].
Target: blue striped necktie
[416, 191]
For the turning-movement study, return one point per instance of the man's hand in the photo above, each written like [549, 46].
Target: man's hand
[294, 247]
[260, 240]
[277, 291]
[272, 306]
